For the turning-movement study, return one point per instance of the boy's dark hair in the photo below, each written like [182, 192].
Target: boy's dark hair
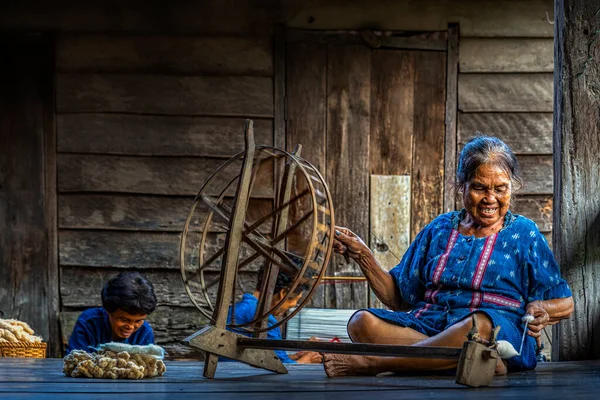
[284, 282]
[131, 292]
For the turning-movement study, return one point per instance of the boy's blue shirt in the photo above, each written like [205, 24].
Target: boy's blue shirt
[244, 313]
[93, 328]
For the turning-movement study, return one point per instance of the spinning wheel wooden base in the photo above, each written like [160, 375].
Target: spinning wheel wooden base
[300, 244]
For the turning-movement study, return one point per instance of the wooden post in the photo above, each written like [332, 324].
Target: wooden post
[576, 234]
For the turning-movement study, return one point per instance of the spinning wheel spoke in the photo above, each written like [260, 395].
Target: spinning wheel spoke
[265, 250]
[276, 211]
[289, 229]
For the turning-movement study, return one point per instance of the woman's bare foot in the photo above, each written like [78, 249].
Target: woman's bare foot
[501, 368]
[346, 364]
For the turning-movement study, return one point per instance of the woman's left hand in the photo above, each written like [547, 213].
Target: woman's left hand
[541, 318]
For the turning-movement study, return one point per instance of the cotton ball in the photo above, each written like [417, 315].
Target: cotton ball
[506, 349]
[527, 318]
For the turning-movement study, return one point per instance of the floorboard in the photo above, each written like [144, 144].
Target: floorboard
[43, 379]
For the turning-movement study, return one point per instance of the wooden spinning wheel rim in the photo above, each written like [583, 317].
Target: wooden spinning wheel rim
[320, 238]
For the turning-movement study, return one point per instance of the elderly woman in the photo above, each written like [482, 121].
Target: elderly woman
[482, 260]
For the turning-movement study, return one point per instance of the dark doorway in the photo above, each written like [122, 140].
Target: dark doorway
[29, 288]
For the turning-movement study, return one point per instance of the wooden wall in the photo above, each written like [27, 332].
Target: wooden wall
[151, 98]
[141, 123]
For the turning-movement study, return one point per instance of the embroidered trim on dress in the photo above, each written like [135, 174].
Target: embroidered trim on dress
[441, 265]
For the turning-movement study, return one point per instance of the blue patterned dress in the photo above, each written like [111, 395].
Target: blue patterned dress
[446, 276]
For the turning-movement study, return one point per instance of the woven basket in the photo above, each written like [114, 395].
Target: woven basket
[26, 350]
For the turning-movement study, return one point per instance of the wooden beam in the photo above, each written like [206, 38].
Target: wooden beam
[211, 17]
[577, 174]
[477, 18]
[451, 117]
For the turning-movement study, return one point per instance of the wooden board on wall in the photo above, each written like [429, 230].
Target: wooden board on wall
[428, 154]
[205, 17]
[306, 112]
[537, 208]
[536, 171]
[186, 55]
[506, 55]
[390, 218]
[307, 101]
[249, 96]
[392, 112]
[505, 92]
[81, 287]
[144, 213]
[123, 249]
[148, 175]
[477, 18]
[523, 132]
[348, 121]
[157, 135]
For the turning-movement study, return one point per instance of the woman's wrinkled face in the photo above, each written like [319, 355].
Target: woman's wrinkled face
[486, 196]
[124, 324]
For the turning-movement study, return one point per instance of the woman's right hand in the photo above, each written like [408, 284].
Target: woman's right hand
[349, 244]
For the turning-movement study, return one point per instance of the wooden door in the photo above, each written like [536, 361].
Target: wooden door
[29, 288]
[366, 108]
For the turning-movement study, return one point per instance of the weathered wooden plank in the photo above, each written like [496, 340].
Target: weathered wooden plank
[250, 56]
[279, 86]
[348, 120]
[451, 137]
[30, 276]
[523, 132]
[121, 249]
[505, 92]
[537, 208]
[206, 17]
[536, 172]
[434, 41]
[392, 112]
[577, 175]
[477, 18]
[81, 287]
[147, 134]
[428, 153]
[150, 175]
[506, 55]
[159, 94]
[390, 218]
[390, 221]
[306, 112]
[151, 213]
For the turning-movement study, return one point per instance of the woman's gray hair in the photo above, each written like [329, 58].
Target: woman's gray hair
[485, 150]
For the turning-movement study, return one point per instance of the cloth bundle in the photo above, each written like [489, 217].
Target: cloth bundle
[130, 362]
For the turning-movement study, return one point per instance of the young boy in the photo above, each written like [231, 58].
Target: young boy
[246, 308]
[126, 302]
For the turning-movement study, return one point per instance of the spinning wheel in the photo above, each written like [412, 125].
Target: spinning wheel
[268, 210]
[287, 226]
